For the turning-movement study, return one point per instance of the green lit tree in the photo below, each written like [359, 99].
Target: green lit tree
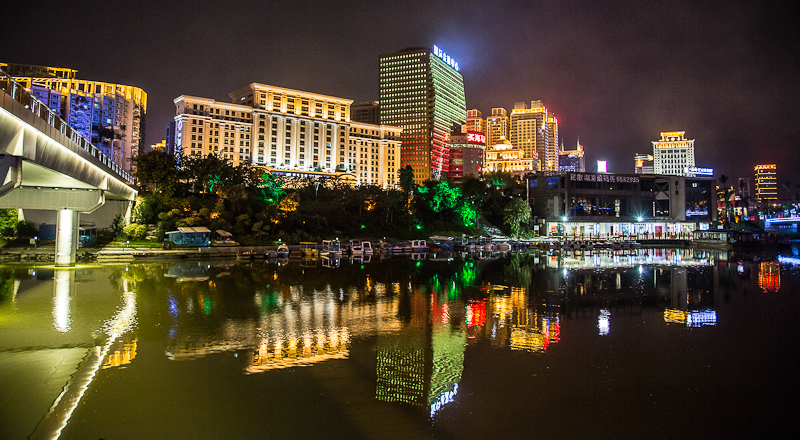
[516, 216]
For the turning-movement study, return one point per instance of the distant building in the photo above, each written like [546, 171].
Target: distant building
[505, 157]
[744, 187]
[290, 132]
[422, 91]
[475, 123]
[111, 116]
[496, 127]
[767, 182]
[643, 163]
[368, 112]
[467, 153]
[571, 160]
[535, 130]
[673, 154]
[161, 146]
[170, 137]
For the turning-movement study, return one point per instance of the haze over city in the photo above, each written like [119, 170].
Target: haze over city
[615, 74]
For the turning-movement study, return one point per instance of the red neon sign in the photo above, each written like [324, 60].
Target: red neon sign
[476, 138]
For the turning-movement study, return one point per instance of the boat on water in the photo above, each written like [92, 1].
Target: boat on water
[283, 251]
[309, 249]
[384, 247]
[358, 248]
[331, 248]
[419, 246]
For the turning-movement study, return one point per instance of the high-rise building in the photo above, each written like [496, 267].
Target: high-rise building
[535, 129]
[572, 160]
[496, 127]
[422, 91]
[673, 154]
[368, 112]
[467, 153]
[475, 123]
[643, 163]
[767, 182]
[110, 115]
[288, 131]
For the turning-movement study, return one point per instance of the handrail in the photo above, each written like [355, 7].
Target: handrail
[40, 109]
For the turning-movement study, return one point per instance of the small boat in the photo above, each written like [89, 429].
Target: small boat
[384, 247]
[283, 251]
[358, 248]
[244, 255]
[331, 248]
[309, 249]
[419, 246]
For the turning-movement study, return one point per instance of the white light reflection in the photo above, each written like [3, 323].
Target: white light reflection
[56, 419]
[444, 399]
[603, 322]
[64, 279]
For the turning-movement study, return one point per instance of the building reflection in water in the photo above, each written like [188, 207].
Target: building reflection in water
[769, 276]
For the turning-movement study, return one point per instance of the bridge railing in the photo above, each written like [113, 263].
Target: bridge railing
[40, 109]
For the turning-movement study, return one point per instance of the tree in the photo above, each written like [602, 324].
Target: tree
[516, 216]
[157, 171]
[407, 182]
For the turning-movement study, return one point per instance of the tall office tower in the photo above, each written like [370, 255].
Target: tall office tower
[368, 112]
[673, 154]
[767, 182]
[288, 132]
[475, 123]
[422, 91]
[572, 160]
[496, 127]
[643, 163]
[535, 129]
[111, 116]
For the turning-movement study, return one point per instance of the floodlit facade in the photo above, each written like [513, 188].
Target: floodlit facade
[422, 91]
[467, 153]
[673, 154]
[111, 116]
[571, 160]
[475, 123]
[767, 182]
[505, 157]
[535, 129]
[496, 126]
[290, 131]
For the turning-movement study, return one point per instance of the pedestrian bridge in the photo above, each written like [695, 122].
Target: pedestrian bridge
[45, 164]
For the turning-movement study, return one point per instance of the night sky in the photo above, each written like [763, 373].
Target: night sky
[616, 74]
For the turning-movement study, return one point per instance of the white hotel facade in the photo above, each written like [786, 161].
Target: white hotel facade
[288, 130]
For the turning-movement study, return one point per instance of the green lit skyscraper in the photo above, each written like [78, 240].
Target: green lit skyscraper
[422, 91]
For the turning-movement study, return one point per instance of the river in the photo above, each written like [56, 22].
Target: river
[651, 343]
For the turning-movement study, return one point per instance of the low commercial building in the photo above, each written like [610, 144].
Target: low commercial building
[613, 204]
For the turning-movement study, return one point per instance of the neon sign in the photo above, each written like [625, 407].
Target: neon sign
[445, 57]
[700, 170]
[476, 138]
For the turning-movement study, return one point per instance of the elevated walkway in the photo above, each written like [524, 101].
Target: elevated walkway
[45, 164]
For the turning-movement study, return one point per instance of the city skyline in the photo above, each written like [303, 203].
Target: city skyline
[614, 83]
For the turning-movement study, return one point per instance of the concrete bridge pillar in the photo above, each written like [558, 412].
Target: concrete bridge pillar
[66, 237]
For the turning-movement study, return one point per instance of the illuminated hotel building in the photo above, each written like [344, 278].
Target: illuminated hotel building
[643, 163]
[673, 154]
[504, 157]
[288, 130]
[422, 91]
[110, 115]
[535, 130]
[496, 126]
[467, 152]
[766, 182]
[571, 160]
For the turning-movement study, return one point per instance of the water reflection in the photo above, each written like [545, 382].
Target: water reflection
[420, 319]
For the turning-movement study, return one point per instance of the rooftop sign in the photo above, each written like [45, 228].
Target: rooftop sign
[445, 57]
[700, 170]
